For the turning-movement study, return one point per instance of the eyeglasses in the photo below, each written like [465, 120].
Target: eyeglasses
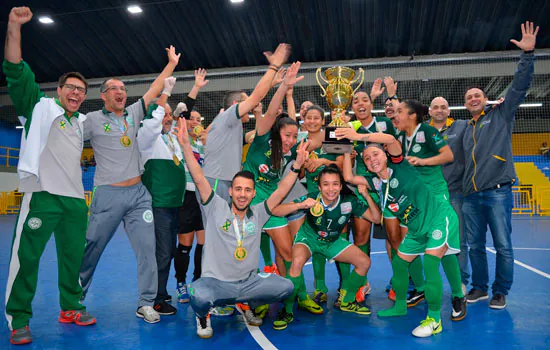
[115, 88]
[73, 87]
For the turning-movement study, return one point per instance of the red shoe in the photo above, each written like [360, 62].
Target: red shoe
[363, 292]
[79, 317]
[272, 269]
[21, 336]
[391, 295]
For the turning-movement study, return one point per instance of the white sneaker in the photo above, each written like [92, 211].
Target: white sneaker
[204, 327]
[148, 314]
[248, 315]
[427, 327]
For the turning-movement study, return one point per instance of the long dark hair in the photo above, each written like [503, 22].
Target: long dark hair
[333, 169]
[281, 121]
[421, 110]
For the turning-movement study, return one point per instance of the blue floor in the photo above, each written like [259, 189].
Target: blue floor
[525, 323]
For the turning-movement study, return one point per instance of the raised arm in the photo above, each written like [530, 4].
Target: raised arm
[18, 17]
[288, 208]
[373, 212]
[202, 185]
[348, 173]
[290, 106]
[391, 86]
[393, 146]
[200, 82]
[376, 90]
[158, 84]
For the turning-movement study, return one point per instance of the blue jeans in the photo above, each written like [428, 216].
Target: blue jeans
[166, 227]
[457, 200]
[493, 208]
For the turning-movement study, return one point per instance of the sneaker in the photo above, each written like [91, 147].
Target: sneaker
[320, 297]
[222, 311]
[498, 301]
[476, 295]
[459, 308]
[148, 314]
[78, 317]
[271, 269]
[464, 289]
[165, 309]
[363, 292]
[21, 336]
[310, 305]
[183, 294]
[168, 299]
[248, 315]
[415, 298]
[261, 311]
[354, 306]
[282, 320]
[391, 295]
[427, 327]
[340, 298]
[204, 327]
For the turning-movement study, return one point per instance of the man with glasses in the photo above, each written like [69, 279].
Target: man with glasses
[119, 194]
[51, 180]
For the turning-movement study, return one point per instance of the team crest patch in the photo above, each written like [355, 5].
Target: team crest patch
[250, 228]
[107, 127]
[345, 208]
[437, 234]
[263, 168]
[394, 183]
[34, 223]
[394, 207]
[226, 225]
[342, 220]
[318, 221]
[148, 216]
[416, 148]
[420, 137]
[268, 154]
[382, 126]
[62, 124]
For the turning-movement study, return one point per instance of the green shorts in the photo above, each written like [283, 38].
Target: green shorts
[318, 245]
[443, 231]
[275, 222]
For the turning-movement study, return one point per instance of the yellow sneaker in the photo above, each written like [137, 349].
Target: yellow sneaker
[310, 306]
[320, 297]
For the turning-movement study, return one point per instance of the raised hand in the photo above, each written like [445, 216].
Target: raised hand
[258, 110]
[278, 78]
[280, 56]
[172, 57]
[181, 132]
[363, 190]
[301, 154]
[307, 204]
[415, 161]
[391, 86]
[347, 133]
[169, 84]
[200, 78]
[376, 89]
[528, 37]
[314, 164]
[20, 15]
[291, 78]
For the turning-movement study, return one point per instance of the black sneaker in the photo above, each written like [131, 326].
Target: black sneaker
[459, 309]
[414, 298]
[476, 295]
[168, 299]
[498, 301]
[165, 309]
[282, 320]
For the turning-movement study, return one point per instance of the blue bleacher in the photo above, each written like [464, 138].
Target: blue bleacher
[88, 178]
[541, 162]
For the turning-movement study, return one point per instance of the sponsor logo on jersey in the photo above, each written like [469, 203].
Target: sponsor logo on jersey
[62, 124]
[263, 168]
[437, 234]
[382, 126]
[394, 183]
[345, 208]
[250, 229]
[268, 154]
[420, 137]
[394, 207]
[342, 220]
[148, 216]
[319, 220]
[410, 214]
[34, 223]
[323, 234]
[416, 148]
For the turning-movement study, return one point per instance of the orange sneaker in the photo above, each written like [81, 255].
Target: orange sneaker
[79, 317]
[272, 269]
[391, 295]
[363, 292]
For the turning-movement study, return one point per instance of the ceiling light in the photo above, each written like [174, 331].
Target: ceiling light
[19, 127]
[531, 105]
[456, 108]
[236, 1]
[134, 9]
[45, 20]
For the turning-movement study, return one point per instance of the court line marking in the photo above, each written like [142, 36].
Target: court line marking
[541, 249]
[258, 335]
[530, 268]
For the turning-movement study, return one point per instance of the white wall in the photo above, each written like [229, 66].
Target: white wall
[8, 182]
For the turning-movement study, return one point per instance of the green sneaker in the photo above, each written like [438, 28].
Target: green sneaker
[355, 307]
[340, 299]
[427, 327]
[282, 320]
[310, 305]
[319, 297]
[261, 311]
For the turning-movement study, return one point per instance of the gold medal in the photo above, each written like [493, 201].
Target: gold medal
[240, 253]
[313, 155]
[197, 130]
[125, 141]
[317, 209]
[176, 160]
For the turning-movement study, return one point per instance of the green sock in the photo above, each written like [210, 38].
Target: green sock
[289, 302]
[434, 286]
[265, 248]
[343, 268]
[319, 263]
[302, 290]
[356, 281]
[452, 271]
[400, 281]
[393, 253]
[417, 274]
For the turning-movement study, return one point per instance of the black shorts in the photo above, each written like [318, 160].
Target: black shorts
[189, 214]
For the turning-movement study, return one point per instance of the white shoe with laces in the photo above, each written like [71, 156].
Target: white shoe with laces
[204, 327]
[148, 314]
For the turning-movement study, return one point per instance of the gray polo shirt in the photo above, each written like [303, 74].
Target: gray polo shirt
[453, 172]
[224, 147]
[59, 172]
[220, 242]
[115, 163]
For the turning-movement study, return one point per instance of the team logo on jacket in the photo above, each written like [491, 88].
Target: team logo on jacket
[250, 228]
[226, 225]
[62, 124]
[34, 223]
[394, 183]
[394, 207]
[107, 127]
[264, 169]
[437, 234]
[148, 216]
[416, 148]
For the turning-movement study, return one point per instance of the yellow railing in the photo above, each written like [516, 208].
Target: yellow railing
[543, 200]
[524, 200]
[10, 202]
[7, 153]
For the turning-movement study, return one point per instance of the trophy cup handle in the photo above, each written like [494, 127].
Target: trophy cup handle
[319, 77]
[362, 76]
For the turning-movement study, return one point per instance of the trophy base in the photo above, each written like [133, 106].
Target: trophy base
[337, 148]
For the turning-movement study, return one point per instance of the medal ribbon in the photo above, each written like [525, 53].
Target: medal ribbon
[239, 235]
[407, 144]
[384, 200]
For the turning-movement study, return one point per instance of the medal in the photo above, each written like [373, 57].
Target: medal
[125, 141]
[197, 130]
[317, 210]
[176, 160]
[313, 155]
[240, 253]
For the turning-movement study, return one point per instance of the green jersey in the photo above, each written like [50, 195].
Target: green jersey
[426, 142]
[378, 124]
[329, 225]
[313, 178]
[258, 162]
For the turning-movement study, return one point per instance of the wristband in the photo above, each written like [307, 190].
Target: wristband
[294, 170]
[166, 93]
[275, 68]
[394, 97]
[530, 51]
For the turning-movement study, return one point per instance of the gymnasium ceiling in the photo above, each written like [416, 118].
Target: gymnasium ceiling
[101, 38]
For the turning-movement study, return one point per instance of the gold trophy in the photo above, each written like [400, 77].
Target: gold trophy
[339, 94]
